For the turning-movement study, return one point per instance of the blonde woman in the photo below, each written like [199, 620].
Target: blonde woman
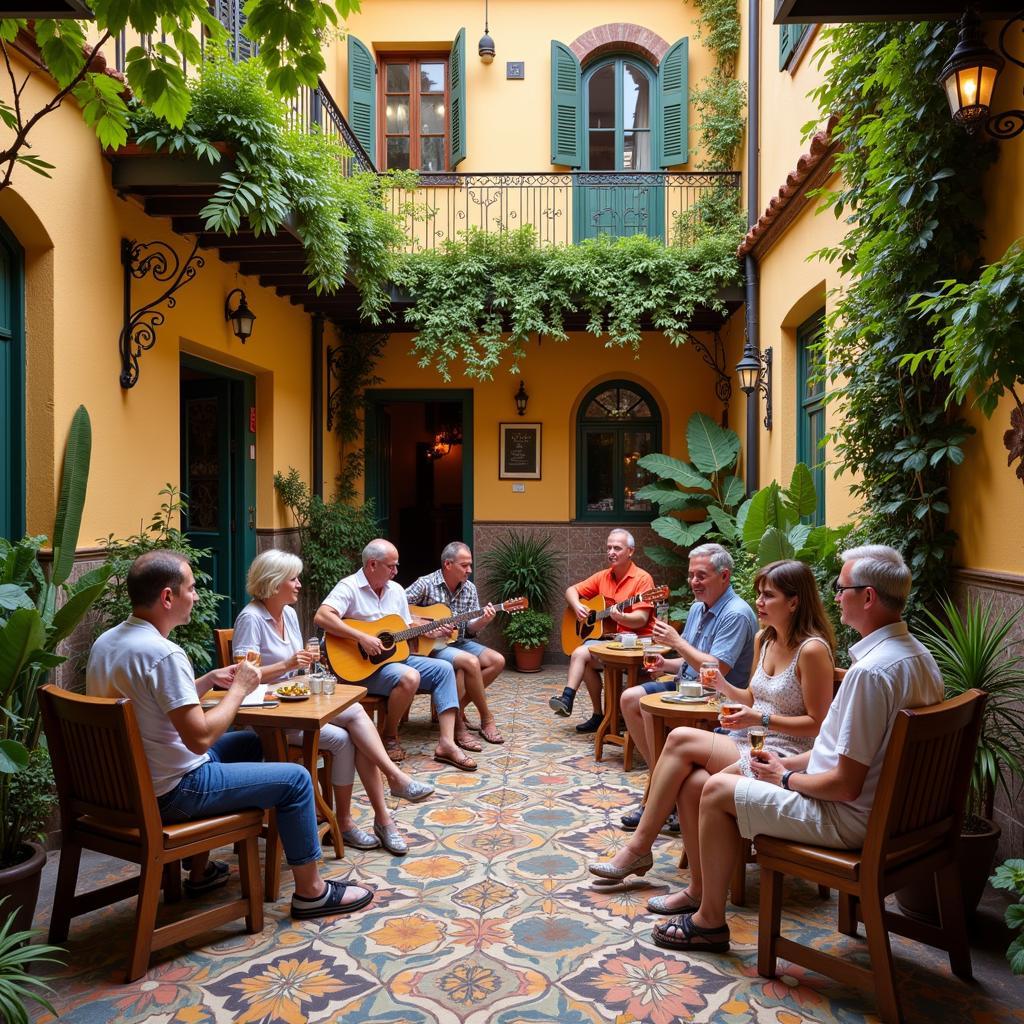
[269, 622]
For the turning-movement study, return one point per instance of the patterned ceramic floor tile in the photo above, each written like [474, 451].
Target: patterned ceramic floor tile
[493, 917]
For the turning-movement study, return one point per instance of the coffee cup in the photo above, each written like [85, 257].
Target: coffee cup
[628, 640]
[689, 688]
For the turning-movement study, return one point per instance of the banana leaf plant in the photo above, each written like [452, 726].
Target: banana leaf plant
[37, 612]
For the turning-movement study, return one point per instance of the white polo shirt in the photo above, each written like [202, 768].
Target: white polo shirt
[891, 670]
[354, 598]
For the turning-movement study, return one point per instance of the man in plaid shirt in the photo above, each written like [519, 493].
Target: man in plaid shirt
[478, 665]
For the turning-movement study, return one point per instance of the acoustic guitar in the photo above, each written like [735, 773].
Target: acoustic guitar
[441, 615]
[576, 631]
[350, 662]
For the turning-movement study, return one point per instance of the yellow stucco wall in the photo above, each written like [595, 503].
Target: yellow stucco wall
[557, 377]
[508, 125]
[71, 226]
[987, 496]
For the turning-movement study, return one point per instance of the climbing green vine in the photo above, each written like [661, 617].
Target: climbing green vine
[911, 194]
[481, 298]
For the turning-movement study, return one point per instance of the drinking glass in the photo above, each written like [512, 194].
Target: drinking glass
[756, 736]
[313, 646]
[650, 659]
[253, 655]
[329, 683]
[730, 708]
[316, 682]
[245, 653]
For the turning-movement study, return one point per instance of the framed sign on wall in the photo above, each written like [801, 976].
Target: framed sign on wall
[519, 451]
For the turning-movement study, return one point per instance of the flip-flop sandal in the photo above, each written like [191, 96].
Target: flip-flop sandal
[490, 733]
[682, 934]
[465, 764]
[394, 750]
[659, 905]
[335, 902]
[215, 876]
[467, 742]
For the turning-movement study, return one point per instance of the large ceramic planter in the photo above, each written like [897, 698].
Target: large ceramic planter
[528, 659]
[20, 882]
[977, 855]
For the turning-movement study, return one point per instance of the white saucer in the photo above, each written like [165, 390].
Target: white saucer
[675, 698]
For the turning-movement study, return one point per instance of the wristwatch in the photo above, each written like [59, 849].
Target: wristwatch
[785, 779]
[766, 719]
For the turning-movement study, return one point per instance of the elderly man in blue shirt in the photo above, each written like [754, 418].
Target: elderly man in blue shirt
[720, 626]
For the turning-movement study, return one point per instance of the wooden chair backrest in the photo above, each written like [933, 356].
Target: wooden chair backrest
[922, 790]
[99, 763]
[223, 638]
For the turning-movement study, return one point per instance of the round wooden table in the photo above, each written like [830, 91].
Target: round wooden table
[667, 716]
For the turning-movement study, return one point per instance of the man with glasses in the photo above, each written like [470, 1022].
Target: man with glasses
[822, 796]
[371, 594]
[720, 626]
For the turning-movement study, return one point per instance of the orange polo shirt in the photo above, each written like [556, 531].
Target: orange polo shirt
[636, 581]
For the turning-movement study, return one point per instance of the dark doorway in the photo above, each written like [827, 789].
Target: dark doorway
[419, 472]
[218, 473]
[12, 387]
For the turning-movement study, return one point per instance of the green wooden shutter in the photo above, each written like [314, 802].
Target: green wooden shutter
[566, 107]
[673, 93]
[790, 37]
[457, 101]
[362, 95]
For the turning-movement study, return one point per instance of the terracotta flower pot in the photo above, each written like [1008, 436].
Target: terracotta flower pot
[21, 883]
[528, 659]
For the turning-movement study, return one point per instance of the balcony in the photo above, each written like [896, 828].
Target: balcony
[563, 208]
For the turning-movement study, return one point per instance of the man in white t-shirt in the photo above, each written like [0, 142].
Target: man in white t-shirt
[200, 769]
[823, 796]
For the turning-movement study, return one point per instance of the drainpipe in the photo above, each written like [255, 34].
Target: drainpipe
[751, 290]
[317, 412]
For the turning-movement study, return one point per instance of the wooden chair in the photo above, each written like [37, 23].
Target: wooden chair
[738, 886]
[913, 830]
[222, 638]
[107, 804]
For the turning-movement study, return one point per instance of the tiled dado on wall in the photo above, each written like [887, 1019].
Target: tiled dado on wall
[580, 551]
[1005, 594]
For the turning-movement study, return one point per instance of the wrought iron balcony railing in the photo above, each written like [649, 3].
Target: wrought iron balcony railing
[563, 208]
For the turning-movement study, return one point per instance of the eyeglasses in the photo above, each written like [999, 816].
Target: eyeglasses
[839, 588]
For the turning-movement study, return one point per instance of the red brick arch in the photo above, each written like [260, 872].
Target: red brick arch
[619, 37]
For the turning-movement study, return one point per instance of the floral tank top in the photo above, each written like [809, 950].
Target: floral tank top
[780, 694]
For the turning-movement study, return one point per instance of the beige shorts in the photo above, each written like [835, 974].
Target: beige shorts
[762, 807]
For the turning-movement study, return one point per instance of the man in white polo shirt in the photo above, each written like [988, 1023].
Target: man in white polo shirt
[823, 796]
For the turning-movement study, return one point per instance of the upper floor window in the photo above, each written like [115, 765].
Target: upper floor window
[790, 38]
[618, 423]
[811, 406]
[231, 14]
[618, 95]
[414, 101]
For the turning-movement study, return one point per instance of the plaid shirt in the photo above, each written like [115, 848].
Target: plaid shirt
[432, 589]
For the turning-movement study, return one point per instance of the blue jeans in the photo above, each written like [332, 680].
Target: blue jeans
[436, 678]
[236, 779]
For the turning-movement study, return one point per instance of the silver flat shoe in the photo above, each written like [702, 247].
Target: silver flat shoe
[358, 839]
[414, 791]
[659, 905]
[391, 839]
[637, 866]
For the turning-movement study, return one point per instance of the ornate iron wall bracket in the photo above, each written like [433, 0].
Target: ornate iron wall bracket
[139, 260]
[715, 358]
[1009, 123]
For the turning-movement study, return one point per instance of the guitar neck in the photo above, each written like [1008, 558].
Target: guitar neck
[451, 620]
[621, 606]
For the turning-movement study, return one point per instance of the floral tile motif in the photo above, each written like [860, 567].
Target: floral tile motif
[492, 918]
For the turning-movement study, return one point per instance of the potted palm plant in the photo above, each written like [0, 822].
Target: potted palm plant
[973, 650]
[19, 985]
[36, 613]
[521, 565]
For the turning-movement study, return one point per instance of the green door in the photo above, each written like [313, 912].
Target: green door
[218, 474]
[619, 192]
[811, 410]
[12, 388]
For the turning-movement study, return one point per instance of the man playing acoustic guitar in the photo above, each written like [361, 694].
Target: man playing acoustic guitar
[620, 580]
[479, 665]
[372, 594]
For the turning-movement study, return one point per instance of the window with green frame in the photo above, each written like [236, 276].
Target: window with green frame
[790, 38]
[811, 406]
[12, 387]
[618, 423]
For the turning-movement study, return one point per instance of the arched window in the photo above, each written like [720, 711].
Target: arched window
[618, 423]
[618, 94]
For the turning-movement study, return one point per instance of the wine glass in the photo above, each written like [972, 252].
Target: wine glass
[313, 646]
[650, 659]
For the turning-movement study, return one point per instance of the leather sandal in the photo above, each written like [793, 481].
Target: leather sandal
[464, 764]
[466, 741]
[490, 733]
[659, 905]
[681, 933]
[394, 751]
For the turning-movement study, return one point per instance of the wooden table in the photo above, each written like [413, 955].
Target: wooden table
[272, 724]
[621, 670]
[665, 717]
